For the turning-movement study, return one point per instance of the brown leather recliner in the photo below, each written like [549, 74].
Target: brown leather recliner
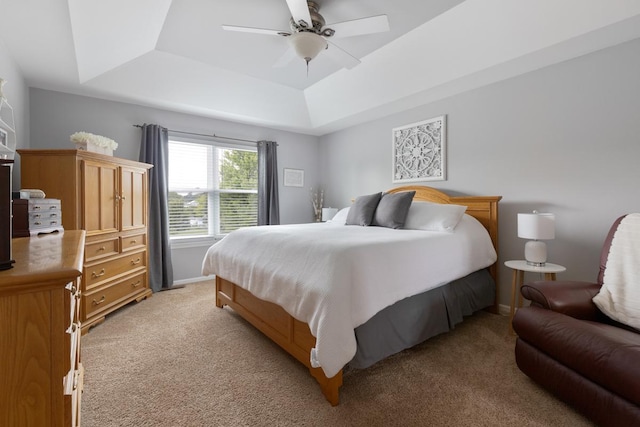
[568, 346]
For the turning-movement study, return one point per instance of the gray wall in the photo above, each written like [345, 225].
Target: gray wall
[55, 116]
[17, 94]
[563, 139]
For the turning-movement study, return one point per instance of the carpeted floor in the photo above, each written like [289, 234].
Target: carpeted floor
[177, 360]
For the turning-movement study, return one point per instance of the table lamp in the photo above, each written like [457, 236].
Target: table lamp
[536, 226]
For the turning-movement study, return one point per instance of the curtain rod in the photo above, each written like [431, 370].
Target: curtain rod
[203, 134]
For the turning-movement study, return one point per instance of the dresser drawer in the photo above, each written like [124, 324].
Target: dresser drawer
[44, 205]
[98, 273]
[101, 248]
[106, 297]
[133, 242]
[46, 221]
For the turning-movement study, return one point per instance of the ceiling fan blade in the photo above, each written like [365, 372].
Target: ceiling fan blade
[300, 11]
[357, 27]
[285, 59]
[342, 56]
[256, 30]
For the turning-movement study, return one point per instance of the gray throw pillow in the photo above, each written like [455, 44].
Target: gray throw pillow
[393, 209]
[361, 213]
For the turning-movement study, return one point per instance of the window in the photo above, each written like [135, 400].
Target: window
[213, 189]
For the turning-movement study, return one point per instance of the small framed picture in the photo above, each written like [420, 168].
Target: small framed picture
[293, 178]
[4, 136]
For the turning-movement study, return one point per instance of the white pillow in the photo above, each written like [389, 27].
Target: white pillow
[341, 217]
[433, 216]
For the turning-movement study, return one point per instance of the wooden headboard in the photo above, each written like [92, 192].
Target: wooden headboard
[483, 208]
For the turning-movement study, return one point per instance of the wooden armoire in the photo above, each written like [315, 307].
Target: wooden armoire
[108, 198]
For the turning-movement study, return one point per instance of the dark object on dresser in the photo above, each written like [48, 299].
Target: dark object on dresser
[20, 218]
[567, 345]
[5, 214]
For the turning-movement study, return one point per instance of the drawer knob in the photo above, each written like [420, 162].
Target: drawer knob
[99, 301]
[137, 261]
[95, 275]
[134, 241]
[135, 285]
[53, 207]
[102, 248]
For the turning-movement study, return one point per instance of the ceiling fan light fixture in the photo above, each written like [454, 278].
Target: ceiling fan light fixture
[307, 45]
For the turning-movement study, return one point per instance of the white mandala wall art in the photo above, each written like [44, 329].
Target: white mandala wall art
[419, 151]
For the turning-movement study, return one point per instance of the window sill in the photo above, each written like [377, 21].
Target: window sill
[193, 242]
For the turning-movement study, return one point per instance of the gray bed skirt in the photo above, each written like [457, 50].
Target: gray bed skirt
[418, 318]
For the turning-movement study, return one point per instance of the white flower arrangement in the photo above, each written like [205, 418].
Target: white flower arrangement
[89, 138]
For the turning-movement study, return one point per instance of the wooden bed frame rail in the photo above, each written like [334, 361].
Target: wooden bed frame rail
[289, 333]
[295, 336]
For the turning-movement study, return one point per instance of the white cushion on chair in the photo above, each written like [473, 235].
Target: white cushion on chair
[619, 297]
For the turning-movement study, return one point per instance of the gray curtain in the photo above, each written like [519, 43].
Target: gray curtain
[268, 202]
[154, 149]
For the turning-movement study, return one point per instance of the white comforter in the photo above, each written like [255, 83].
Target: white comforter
[336, 277]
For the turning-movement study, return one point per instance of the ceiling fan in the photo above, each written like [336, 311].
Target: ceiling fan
[308, 35]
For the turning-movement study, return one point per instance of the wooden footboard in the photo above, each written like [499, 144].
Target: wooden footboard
[289, 333]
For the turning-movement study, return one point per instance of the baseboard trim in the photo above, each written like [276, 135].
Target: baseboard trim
[192, 280]
[504, 310]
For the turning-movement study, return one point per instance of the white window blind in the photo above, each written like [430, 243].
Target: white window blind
[213, 189]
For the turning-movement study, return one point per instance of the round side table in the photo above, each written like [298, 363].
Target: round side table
[519, 267]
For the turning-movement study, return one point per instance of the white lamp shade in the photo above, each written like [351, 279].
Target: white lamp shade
[307, 45]
[328, 213]
[537, 226]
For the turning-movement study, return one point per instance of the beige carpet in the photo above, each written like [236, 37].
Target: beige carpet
[177, 360]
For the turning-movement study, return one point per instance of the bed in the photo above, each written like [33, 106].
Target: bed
[358, 294]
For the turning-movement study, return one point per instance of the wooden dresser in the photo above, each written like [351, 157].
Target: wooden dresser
[40, 367]
[108, 197]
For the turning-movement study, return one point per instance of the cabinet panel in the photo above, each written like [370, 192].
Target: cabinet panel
[133, 190]
[26, 380]
[99, 190]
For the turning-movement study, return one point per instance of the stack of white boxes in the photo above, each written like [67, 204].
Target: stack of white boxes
[45, 216]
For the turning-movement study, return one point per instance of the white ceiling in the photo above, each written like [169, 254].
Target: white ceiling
[173, 54]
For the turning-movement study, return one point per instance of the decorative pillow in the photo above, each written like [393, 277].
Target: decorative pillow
[433, 216]
[361, 213]
[341, 217]
[393, 209]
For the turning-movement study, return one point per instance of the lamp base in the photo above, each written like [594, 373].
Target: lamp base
[535, 253]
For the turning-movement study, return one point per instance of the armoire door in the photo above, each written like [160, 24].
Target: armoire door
[99, 190]
[133, 193]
